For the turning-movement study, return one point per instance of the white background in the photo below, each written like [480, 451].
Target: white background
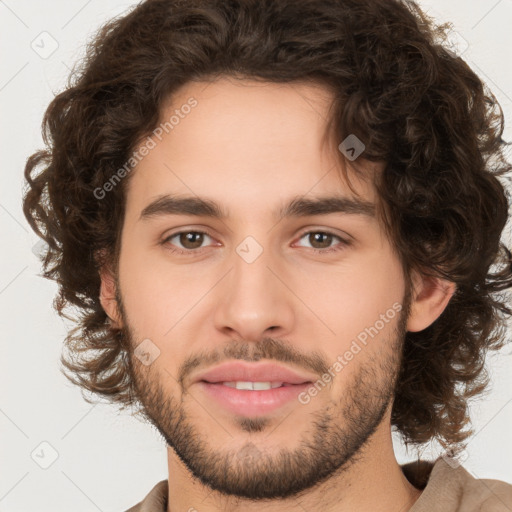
[108, 461]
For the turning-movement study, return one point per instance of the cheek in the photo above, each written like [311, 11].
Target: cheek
[147, 292]
[350, 299]
[157, 294]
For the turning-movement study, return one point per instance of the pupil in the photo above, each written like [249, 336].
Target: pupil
[189, 238]
[328, 237]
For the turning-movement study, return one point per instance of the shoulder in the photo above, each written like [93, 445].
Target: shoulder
[448, 486]
[155, 501]
[490, 495]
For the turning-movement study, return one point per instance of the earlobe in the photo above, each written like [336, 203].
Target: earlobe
[430, 296]
[108, 296]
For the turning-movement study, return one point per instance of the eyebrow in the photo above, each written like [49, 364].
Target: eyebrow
[299, 206]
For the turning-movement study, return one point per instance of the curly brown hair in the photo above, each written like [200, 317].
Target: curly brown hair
[417, 106]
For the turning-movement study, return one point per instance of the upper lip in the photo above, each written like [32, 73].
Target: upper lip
[251, 372]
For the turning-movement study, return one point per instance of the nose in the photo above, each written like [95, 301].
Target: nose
[254, 299]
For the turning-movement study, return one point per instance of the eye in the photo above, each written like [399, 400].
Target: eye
[190, 241]
[323, 241]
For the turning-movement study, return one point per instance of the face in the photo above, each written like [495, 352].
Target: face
[317, 291]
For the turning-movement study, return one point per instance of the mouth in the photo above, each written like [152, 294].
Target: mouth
[253, 389]
[252, 398]
[253, 386]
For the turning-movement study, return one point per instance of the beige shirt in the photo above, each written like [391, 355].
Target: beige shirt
[446, 488]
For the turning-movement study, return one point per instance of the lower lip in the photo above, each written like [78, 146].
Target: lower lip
[252, 403]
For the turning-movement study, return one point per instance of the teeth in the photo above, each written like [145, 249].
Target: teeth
[253, 386]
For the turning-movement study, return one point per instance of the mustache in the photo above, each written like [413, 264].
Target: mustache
[267, 348]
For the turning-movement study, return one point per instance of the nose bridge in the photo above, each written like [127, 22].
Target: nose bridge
[253, 298]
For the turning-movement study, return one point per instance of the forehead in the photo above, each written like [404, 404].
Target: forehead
[248, 144]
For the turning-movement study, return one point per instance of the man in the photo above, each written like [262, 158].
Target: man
[278, 219]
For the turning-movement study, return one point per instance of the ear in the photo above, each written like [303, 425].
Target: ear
[108, 296]
[430, 296]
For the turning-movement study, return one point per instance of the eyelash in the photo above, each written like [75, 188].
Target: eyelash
[191, 252]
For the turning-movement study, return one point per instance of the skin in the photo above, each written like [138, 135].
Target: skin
[252, 146]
